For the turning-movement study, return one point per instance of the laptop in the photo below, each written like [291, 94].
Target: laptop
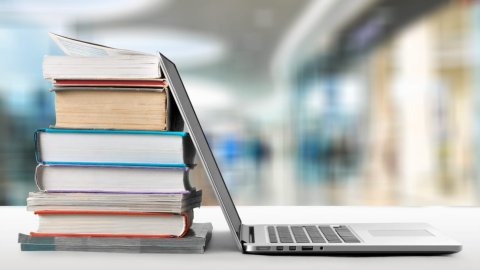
[351, 238]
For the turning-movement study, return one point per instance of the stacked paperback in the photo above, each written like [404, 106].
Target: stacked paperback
[113, 172]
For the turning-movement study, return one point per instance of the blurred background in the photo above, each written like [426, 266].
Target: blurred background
[329, 102]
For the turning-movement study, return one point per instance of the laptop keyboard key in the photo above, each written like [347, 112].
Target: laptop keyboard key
[284, 234]
[272, 235]
[329, 234]
[299, 234]
[314, 234]
[346, 235]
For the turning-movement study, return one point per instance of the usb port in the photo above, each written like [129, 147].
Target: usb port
[262, 248]
[307, 248]
[292, 248]
[279, 248]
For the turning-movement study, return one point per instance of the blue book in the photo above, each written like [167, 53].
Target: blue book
[113, 148]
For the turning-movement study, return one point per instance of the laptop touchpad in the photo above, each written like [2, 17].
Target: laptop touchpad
[399, 233]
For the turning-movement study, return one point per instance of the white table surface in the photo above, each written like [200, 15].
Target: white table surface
[463, 224]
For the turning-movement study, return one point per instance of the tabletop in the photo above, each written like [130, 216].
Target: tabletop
[461, 223]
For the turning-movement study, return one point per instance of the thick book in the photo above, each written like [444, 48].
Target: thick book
[112, 179]
[112, 223]
[113, 147]
[194, 241]
[145, 202]
[113, 108]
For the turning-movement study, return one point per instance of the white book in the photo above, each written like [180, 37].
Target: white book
[113, 147]
[112, 223]
[145, 202]
[84, 60]
[112, 179]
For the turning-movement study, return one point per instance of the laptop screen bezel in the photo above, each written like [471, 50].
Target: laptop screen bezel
[202, 147]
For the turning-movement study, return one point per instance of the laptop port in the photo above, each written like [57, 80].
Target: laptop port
[279, 248]
[262, 248]
[307, 248]
[292, 248]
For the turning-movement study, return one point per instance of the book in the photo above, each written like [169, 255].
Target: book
[143, 202]
[113, 147]
[111, 248]
[112, 223]
[112, 108]
[102, 67]
[194, 241]
[113, 179]
[159, 83]
[84, 60]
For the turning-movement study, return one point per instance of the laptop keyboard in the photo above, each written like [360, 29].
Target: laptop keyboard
[311, 234]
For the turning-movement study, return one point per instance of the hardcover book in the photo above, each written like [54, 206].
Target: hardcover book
[112, 223]
[112, 179]
[113, 108]
[113, 147]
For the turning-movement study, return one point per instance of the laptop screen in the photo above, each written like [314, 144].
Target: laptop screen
[201, 145]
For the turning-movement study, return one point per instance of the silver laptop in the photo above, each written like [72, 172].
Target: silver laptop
[359, 238]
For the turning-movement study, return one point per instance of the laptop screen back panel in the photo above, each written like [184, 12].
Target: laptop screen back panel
[201, 145]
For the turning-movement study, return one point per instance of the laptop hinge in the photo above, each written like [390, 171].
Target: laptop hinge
[247, 234]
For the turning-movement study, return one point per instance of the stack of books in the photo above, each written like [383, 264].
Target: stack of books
[113, 172]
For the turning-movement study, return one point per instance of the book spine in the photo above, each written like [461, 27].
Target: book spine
[32, 247]
[38, 177]
[36, 143]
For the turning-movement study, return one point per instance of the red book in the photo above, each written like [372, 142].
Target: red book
[112, 224]
[116, 83]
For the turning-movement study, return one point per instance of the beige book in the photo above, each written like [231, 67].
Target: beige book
[111, 109]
